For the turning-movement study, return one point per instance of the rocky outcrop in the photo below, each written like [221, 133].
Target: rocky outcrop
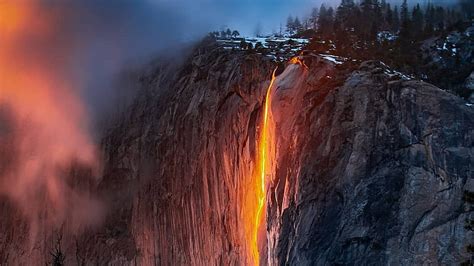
[369, 167]
[376, 173]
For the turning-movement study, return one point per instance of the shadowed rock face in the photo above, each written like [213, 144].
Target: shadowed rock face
[376, 175]
[369, 168]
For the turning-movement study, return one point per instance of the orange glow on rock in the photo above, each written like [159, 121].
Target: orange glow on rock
[297, 61]
[254, 210]
[256, 198]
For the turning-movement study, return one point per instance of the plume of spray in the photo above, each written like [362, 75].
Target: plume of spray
[44, 125]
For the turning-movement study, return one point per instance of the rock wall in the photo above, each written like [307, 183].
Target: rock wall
[374, 172]
[185, 155]
[369, 168]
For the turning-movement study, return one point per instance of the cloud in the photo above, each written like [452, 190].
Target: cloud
[45, 130]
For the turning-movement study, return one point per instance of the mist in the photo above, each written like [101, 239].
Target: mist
[110, 36]
[95, 41]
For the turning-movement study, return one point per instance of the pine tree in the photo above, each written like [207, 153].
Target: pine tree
[223, 34]
[396, 20]
[467, 7]
[344, 23]
[453, 17]
[330, 21]
[429, 20]
[404, 16]
[405, 21]
[371, 17]
[344, 15]
[314, 18]
[306, 23]
[439, 18]
[366, 7]
[388, 16]
[417, 21]
[325, 21]
[373, 31]
[322, 17]
[290, 25]
[378, 17]
[298, 27]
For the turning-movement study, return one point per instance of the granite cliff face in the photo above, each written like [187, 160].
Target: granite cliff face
[376, 173]
[191, 150]
[368, 167]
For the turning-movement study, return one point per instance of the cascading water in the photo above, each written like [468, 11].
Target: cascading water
[265, 158]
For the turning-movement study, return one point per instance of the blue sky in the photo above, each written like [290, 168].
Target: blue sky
[245, 15]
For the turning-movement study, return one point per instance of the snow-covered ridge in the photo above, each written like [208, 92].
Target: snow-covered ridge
[276, 48]
[335, 59]
[393, 73]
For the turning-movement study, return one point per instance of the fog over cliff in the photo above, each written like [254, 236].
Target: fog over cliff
[110, 36]
[113, 35]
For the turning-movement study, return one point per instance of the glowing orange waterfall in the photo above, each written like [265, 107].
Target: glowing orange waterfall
[259, 180]
[255, 198]
[297, 61]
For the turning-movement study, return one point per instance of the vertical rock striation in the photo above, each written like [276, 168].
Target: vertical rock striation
[368, 167]
[191, 149]
[372, 171]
